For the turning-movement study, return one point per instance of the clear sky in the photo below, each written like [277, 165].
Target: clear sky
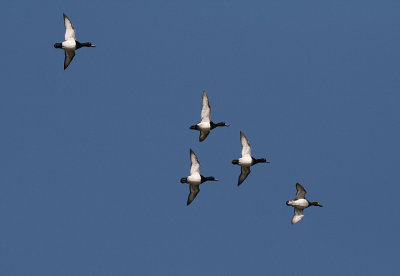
[91, 157]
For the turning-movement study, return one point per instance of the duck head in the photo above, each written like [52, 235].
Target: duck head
[57, 45]
[315, 204]
[220, 124]
[208, 178]
[260, 160]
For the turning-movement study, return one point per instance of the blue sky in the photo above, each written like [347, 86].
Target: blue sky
[91, 157]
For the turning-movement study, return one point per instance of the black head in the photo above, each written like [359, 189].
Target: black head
[235, 162]
[287, 203]
[213, 125]
[57, 45]
[315, 204]
[88, 44]
[193, 127]
[222, 124]
[209, 178]
[85, 44]
[260, 160]
[183, 180]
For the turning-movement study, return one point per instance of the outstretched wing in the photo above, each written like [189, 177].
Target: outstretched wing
[69, 28]
[195, 164]
[243, 175]
[246, 148]
[69, 55]
[301, 192]
[298, 215]
[205, 109]
[203, 135]
[194, 190]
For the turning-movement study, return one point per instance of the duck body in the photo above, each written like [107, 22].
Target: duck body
[202, 126]
[194, 179]
[245, 161]
[298, 203]
[69, 44]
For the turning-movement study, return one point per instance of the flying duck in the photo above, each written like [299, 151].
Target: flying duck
[246, 161]
[206, 125]
[195, 178]
[70, 44]
[300, 203]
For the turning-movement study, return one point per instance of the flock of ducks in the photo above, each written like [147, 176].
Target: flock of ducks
[204, 126]
[245, 162]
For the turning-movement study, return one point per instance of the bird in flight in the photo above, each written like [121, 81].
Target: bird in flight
[246, 161]
[195, 178]
[300, 203]
[70, 44]
[206, 125]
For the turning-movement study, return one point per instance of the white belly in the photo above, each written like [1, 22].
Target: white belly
[69, 44]
[245, 161]
[299, 203]
[204, 125]
[194, 179]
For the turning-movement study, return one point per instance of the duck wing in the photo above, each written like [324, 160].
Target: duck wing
[301, 192]
[69, 28]
[205, 109]
[246, 148]
[298, 215]
[203, 135]
[195, 164]
[243, 174]
[69, 55]
[194, 190]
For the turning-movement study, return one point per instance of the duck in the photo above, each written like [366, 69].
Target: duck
[246, 161]
[206, 125]
[300, 203]
[70, 44]
[195, 178]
